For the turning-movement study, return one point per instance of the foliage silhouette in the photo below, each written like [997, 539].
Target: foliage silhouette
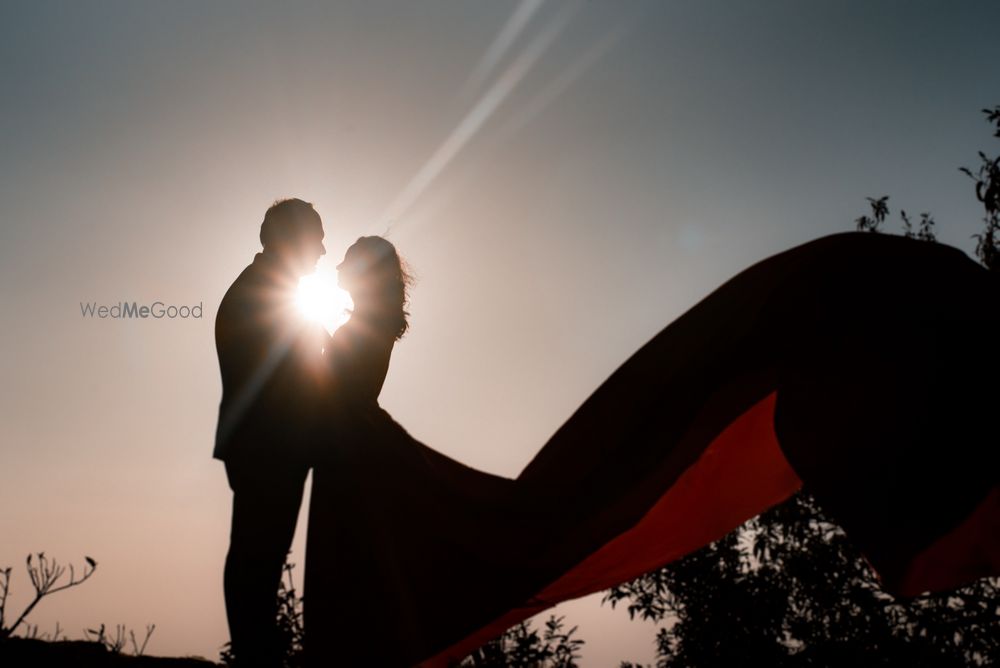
[788, 589]
[785, 589]
[289, 622]
[521, 646]
[880, 209]
[987, 178]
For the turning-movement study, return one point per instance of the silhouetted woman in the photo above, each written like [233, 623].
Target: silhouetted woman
[840, 365]
[360, 350]
[399, 535]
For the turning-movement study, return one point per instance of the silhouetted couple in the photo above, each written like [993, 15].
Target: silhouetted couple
[291, 392]
[812, 367]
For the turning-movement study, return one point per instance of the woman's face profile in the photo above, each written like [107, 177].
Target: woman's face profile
[341, 275]
[347, 271]
[368, 267]
[353, 271]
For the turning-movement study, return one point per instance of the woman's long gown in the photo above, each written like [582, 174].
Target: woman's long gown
[858, 365]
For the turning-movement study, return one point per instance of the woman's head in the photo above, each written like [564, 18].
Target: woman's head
[373, 273]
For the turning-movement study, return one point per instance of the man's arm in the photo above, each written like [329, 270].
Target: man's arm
[272, 370]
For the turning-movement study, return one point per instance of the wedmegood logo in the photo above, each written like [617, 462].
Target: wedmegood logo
[157, 310]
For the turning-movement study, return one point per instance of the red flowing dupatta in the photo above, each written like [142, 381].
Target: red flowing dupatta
[842, 366]
[741, 472]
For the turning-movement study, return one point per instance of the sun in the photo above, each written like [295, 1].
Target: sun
[321, 300]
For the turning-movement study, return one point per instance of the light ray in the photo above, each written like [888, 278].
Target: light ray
[511, 30]
[557, 86]
[476, 117]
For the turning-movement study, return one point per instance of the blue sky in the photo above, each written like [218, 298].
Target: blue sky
[564, 178]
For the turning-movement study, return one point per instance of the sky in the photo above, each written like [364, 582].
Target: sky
[564, 179]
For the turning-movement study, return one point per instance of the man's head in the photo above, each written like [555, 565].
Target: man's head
[293, 233]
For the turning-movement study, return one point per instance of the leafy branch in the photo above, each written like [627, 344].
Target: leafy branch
[289, 621]
[522, 645]
[987, 179]
[880, 211]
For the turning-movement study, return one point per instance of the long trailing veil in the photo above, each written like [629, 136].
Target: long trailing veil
[841, 366]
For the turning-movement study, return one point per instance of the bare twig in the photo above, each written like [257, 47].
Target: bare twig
[115, 644]
[4, 589]
[118, 644]
[137, 649]
[44, 573]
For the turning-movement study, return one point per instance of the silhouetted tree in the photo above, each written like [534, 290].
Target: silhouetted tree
[788, 589]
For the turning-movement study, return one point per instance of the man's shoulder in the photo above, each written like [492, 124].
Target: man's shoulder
[258, 306]
[239, 304]
[248, 291]
[242, 284]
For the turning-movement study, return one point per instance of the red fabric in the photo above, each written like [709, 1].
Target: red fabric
[968, 552]
[741, 473]
[812, 368]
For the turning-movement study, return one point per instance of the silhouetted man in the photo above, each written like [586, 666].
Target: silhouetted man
[269, 358]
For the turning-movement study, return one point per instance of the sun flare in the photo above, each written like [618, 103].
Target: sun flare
[321, 300]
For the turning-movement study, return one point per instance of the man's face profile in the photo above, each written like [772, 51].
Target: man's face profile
[300, 252]
[310, 248]
[293, 232]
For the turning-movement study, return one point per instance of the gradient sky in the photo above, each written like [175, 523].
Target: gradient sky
[564, 179]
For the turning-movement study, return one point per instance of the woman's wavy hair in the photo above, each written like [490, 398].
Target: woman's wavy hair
[373, 269]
